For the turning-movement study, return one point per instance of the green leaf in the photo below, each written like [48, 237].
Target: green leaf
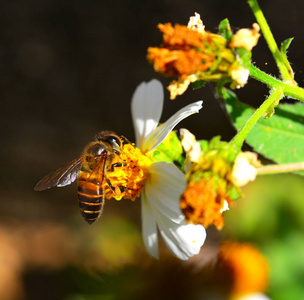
[170, 150]
[197, 84]
[224, 149]
[285, 45]
[244, 56]
[225, 29]
[280, 138]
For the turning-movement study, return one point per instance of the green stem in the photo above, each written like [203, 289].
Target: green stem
[239, 138]
[292, 91]
[287, 77]
[282, 168]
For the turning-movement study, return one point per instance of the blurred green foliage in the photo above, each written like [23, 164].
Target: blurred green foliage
[117, 241]
[271, 216]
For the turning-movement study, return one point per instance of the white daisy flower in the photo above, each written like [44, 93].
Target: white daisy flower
[165, 182]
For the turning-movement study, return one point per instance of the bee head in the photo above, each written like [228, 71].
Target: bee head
[111, 138]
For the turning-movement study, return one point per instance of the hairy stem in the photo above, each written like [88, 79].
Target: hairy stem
[239, 138]
[282, 168]
[287, 77]
[292, 91]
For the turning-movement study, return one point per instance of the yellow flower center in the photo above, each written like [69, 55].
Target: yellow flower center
[129, 180]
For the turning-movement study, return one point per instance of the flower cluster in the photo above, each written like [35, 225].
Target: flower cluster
[181, 195]
[191, 54]
[215, 172]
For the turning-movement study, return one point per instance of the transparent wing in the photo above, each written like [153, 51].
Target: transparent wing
[96, 176]
[61, 177]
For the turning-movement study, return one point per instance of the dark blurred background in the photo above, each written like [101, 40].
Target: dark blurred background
[68, 70]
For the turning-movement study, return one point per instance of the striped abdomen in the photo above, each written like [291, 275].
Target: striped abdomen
[90, 195]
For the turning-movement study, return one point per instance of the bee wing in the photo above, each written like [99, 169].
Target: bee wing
[97, 175]
[61, 177]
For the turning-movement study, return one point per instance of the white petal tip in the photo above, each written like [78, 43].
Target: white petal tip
[193, 237]
[253, 296]
[195, 107]
[198, 105]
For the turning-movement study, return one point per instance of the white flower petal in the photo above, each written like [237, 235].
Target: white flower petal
[253, 296]
[146, 109]
[149, 229]
[224, 207]
[165, 185]
[161, 132]
[183, 241]
[162, 192]
[160, 199]
[192, 238]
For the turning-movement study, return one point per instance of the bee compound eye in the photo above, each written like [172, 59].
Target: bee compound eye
[114, 140]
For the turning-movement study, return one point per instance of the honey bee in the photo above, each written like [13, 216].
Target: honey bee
[93, 170]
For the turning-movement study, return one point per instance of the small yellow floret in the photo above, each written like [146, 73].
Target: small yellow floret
[239, 75]
[191, 145]
[195, 23]
[244, 168]
[246, 38]
[131, 178]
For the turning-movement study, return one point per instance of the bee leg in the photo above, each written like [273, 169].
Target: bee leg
[114, 189]
[110, 185]
[123, 188]
[117, 165]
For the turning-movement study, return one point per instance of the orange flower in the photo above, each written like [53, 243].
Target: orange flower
[248, 267]
[202, 203]
[182, 52]
[191, 54]
[179, 63]
[181, 36]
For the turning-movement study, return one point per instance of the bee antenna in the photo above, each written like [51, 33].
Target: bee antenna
[126, 140]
